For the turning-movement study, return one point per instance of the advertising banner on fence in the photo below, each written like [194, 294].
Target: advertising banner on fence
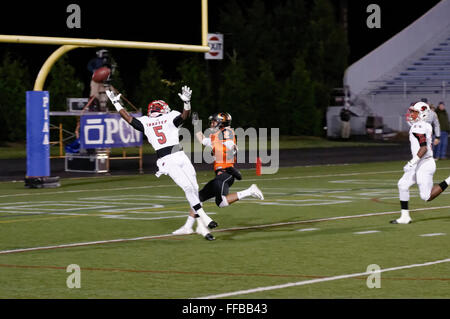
[108, 130]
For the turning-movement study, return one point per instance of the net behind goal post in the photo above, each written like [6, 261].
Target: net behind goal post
[38, 100]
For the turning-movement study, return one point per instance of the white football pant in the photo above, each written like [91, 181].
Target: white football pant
[180, 169]
[422, 175]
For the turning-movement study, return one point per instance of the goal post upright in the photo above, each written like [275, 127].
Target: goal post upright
[47, 66]
[205, 24]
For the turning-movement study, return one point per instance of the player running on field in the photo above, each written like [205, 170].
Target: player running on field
[420, 169]
[223, 144]
[161, 127]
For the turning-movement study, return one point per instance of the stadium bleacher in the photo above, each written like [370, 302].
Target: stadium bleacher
[427, 74]
[412, 65]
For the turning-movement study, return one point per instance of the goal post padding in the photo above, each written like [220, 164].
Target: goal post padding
[38, 133]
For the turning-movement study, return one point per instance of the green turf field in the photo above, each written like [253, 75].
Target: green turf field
[18, 150]
[313, 236]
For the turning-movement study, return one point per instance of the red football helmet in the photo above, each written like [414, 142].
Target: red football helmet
[158, 107]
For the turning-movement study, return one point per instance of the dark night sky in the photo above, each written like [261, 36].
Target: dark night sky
[166, 21]
[169, 21]
[395, 16]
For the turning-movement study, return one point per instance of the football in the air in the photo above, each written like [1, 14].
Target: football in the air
[101, 74]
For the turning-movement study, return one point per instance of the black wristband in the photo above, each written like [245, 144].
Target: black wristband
[443, 185]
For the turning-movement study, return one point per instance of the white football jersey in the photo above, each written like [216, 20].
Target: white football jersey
[418, 131]
[160, 131]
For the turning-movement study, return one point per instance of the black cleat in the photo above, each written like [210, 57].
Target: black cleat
[212, 224]
[209, 237]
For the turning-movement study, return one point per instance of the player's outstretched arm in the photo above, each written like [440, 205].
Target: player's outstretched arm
[201, 138]
[115, 100]
[197, 127]
[185, 96]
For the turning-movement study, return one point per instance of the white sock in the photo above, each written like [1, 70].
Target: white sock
[244, 193]
[205, 218]
[405, 214]
[447, 180]
[202, 229]
[224, 202]
[189, 222]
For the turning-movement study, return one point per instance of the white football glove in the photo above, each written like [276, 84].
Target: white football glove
[185, 96]
[411, 165]
[408, 167]
[115, 99]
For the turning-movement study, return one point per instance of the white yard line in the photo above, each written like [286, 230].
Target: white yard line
[103, 190]
[174, 185]
[366, 232]
[4, 252]
[307, 229]
[319, 280]
[432, 235]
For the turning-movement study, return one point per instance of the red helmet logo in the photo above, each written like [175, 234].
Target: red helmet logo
[158, 107]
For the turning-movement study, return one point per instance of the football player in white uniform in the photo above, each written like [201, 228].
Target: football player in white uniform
[161, 127]
[420, 169]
